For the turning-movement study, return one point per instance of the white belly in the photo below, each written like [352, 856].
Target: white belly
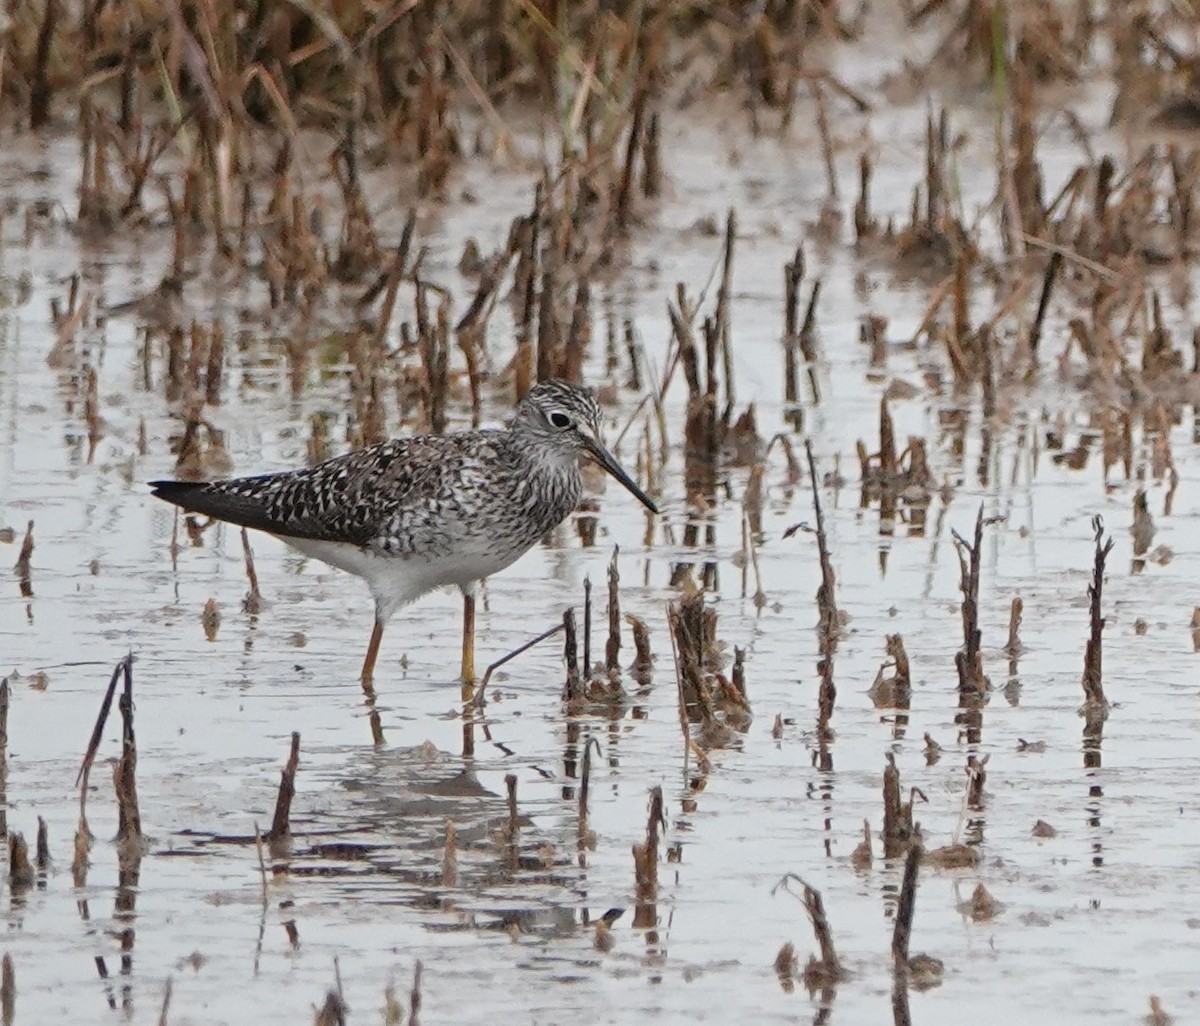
[397, 580]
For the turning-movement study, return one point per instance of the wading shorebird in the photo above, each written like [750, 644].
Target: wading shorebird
[412, 514]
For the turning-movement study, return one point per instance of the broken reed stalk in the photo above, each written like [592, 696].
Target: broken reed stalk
[39, 86]
[43, 847]
[4, 694]
[79, 857]
[450, 856]
[281, 830]
[8, 991]
[793, 276]
[826, 597]
[976, 778]
[585, 838]
[252, 603]
[645, 865]
[512, 829]
[1013, 645]
[216, 361]
[1048, 280]
[898, 830]
[827, 970]
[643, 659]
[165, 1008]
[23, 568]
[129, 817]
[20, 870]
[333, 1012]
[612, 648]
[573, 688]
[702, 425]
[724, 312]
[414, 995]
[81, 780]
[686, 620]
[1095, 705]
[587, 628]
[624, 185]
[808, 341]
[972, 684]
[905, 908]
[262, 866]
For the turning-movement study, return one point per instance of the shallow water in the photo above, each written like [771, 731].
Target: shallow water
[1094, 919]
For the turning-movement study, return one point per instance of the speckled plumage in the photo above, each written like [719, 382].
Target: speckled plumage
[410, 514]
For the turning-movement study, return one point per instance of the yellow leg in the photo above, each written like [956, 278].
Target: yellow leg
[368, 670]
[468, 641]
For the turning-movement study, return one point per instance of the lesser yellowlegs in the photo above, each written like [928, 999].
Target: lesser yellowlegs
[412, 514]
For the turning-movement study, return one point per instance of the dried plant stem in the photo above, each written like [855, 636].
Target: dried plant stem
[612, 648]
[478, 700]
[281, 829]
[8, 991]
[1095, 704]
[826, 597]
[972, 685]
[905, 908]
[129, 817]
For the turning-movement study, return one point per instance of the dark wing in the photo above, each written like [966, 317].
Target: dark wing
[348, 498]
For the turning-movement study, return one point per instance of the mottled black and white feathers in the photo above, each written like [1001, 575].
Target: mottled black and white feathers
[412, 513]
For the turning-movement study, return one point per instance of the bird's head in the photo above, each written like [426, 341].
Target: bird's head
[566, 419]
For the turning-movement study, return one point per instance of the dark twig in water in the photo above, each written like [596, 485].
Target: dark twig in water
[20, 870]
[645, 865]
[586, 837]
[573, 688]
[512, 829]
[643, 660]
[81, 779]
[587, 628]
[22, 568]
[612, 648]
[826, 597]
[165, 1008]
[1048, 281]
[827, 970]
[4, 694]
[1013, 646]
[262, 864]
[281, 829]
[793, 276]
[976, 778]
[970, 674]
[129, 817]
[1095, 705]
[687, 623]
[252, 603]
[450, 856]
[905, 909]
[898, 829]
[8, 991]
[478, 700]
[43, 847]
[724, 312]
[333, 1012]
[414, 997]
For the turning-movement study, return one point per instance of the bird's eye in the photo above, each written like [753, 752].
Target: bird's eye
[559, 419]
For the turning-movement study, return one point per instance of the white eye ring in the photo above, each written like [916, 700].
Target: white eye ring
[559, 419]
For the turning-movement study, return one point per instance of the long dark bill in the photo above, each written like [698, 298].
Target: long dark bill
[602, 456]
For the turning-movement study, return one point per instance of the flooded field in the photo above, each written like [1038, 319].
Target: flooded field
[457, 863]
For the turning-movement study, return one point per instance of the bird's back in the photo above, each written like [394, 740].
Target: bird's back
[428, 496]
